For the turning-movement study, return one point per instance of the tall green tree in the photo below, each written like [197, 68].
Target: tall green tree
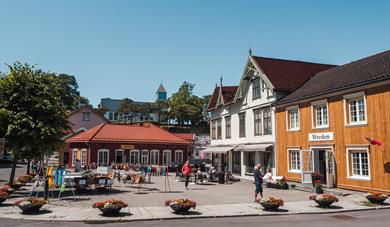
[160, 108]
[32, 114]
[128, 110]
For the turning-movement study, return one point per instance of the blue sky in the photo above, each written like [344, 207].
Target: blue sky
[123, 48]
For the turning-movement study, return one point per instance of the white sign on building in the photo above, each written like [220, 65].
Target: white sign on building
[324, 136]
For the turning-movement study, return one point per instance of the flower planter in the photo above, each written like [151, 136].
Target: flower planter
[324, 203]
[30, 209]
[111, 211]
[378, 199]
[270, 206]
[180, 209]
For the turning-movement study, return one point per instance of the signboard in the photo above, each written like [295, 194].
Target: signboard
[323, 136]
[2, 142]
[127, 147]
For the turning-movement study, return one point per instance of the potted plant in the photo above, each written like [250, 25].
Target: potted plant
[3, 196]
[30, 205]
[181, 205]
[7, 189]
[376, 197]
[315, 177]
[16, 184]
[325, 200]
[318, 187]
[110, 207]
[271, 203]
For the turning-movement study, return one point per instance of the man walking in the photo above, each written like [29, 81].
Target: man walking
[258, 182]
[186, 170]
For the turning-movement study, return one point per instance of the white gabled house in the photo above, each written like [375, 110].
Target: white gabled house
[242, 127]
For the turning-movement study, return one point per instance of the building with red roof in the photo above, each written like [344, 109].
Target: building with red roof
[142, 143]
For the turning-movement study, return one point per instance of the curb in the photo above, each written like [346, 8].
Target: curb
[119, 219]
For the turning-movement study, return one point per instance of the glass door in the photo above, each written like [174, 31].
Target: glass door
[307, 166]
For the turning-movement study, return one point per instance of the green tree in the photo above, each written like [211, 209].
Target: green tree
[160, 108]
[128, 109]
[69, 92]
[31, 113]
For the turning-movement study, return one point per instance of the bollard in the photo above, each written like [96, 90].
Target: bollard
[46, 192]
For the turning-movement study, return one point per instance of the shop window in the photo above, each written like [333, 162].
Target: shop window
[358, 159]
[83, 157]
[86, 116]
[355, 109]
[179, 156]
[103, 157]
[134, 156]
[257, 122]
[293, 118]
[249, 162]
[119, 156]
[241, 120]
[256, 91]
[294, 157]
[166, 157]
[237, 162]
[219, 128]
[154, 157]
[74, 156]
[228, 131]
[267, 121]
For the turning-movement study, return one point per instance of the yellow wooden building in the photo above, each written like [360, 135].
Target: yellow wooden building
[326, 127]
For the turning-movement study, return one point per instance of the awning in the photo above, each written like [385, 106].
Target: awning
[253, 147]
[218, 150]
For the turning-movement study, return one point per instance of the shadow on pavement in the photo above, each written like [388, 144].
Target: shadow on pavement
[187, 213]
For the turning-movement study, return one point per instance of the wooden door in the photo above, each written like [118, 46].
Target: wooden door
[307, 160]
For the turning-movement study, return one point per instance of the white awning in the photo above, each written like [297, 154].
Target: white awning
[218, 150]
[253, 147]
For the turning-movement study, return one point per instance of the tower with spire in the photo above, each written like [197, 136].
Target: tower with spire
[161, 93]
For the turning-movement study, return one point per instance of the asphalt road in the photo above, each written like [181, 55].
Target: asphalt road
[374, 218]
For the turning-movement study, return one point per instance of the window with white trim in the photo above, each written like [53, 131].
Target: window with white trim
[358, 162]
[134, 156]
[293, 119]
[267, 121]
[83, 157]
[103, 157]
[74, 156]
[228, 131]
[294, 157]
[154, 157]
[179, 156]
[86, 116]
[166, 157]
[213, 129]
[145, 157]
[355, 109]
[256, 92]
[219, 128]
[257, 122]
[321, 115]
[241, 122]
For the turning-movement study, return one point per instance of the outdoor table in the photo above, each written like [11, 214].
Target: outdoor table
[103, 183]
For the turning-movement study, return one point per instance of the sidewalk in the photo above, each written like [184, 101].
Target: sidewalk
[52, 212]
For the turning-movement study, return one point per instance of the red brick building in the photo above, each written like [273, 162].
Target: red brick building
[133, 144]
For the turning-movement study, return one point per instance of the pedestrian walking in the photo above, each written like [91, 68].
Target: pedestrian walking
[258, 182]
[186, 170]
[77, 166]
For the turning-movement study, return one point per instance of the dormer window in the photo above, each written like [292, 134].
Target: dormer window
[86, 116]
[256, 90]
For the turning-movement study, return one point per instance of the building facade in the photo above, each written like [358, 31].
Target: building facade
[134, 144]
[242, 126]
[326, 126]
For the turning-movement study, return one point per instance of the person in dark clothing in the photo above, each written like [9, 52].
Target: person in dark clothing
[258, 182]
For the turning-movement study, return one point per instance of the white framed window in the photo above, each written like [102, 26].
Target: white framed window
[145, 156]
[154, 157]
[228, 130]
[319, 114]
[179, 156]
[241, 122]
[294, 160]
[119, 154]
[219, 128]
[292, 118]
[256, 92]
[213, 130]
[257, 122]
[83, 157]
[355, 110]
[103, 157]
[74, 156]
[86, 116]
[267, 121]
[358, 163]
[134, 156]
[167, 157]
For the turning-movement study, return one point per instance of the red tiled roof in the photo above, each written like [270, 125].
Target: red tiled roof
[288, 75]
[185, 136]
[148, 133]
[228, 93]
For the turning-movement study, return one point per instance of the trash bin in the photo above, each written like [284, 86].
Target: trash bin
[221, 177]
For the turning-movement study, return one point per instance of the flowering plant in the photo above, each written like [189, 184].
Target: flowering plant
[3, 195]
[112, 203]
[272, 201]
[7, 189]
[30, 202]
[324, 198]
[317, 184]
[185, 203]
